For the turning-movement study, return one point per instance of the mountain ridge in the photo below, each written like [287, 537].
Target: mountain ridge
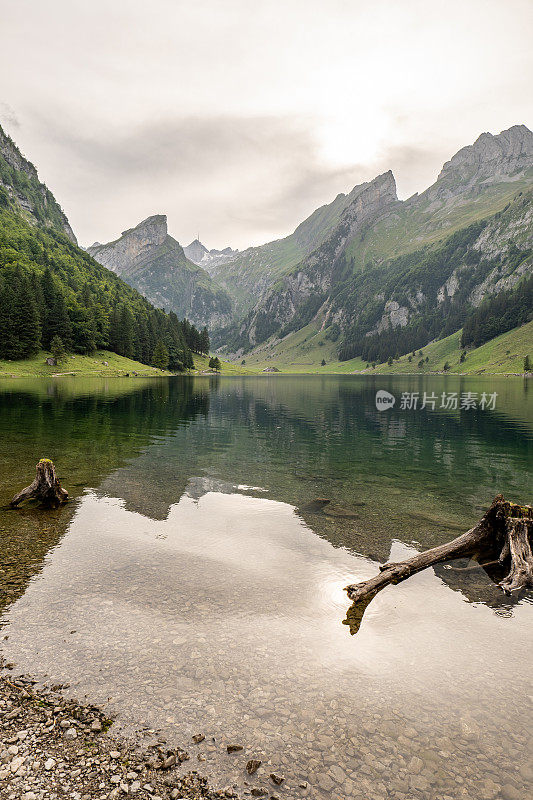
[478, 181]
[149, 259]
[20, 182]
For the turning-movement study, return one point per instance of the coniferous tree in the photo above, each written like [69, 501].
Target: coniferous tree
[203, 341]
[57, 349]
[160, 356]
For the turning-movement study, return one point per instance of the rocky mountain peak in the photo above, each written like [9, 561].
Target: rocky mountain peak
[151, 231]
[491, 158]
[368, 198]
[195, 251]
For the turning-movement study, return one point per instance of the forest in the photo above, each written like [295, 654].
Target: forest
[51, 291]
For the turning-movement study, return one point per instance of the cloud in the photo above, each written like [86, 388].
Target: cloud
[240, 179]
[8, 116]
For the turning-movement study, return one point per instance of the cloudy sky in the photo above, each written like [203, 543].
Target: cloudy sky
[237, 118]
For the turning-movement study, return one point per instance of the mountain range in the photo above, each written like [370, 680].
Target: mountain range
[370, 265]
[373, 274]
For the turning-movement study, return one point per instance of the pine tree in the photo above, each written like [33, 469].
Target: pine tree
[56, 320]
[203, 341]
[160, 356]
[57, 349]
[20, 332]
[29, 327]
[127, 331]
[527, 364]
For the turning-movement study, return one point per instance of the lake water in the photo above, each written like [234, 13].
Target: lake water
[195, 586]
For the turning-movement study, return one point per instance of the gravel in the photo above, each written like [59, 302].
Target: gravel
[52, 747]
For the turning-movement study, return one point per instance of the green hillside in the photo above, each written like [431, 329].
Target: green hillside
[102, 363]
[504, 354]
[303, 351]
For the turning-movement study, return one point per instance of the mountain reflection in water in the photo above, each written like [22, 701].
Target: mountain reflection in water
[204, 580]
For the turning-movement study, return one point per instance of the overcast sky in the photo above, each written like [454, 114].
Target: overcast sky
[237, 118]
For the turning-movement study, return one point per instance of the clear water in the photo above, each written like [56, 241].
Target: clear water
[194, 586]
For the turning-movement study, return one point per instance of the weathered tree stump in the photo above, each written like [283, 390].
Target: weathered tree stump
[45, 487]
[504, 534]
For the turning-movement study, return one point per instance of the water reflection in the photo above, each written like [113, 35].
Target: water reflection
[203, 574]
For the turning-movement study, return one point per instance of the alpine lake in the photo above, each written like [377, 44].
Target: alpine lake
[194, 585]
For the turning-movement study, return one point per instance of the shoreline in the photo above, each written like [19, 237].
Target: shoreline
[53, 746]
[261, 374]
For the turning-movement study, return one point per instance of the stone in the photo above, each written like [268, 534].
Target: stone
[96, 726]
[325, 782]
[509, 792]
[234, 748]
[198, 737]
[277, 779]
[49, 764]
[253, 765]
[169, 761]
[71, 733]
[16, 763]
[338, 774]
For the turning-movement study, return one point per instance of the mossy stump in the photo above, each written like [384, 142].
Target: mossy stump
[45, 487]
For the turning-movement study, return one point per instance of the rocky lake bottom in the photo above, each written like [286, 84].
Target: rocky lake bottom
[193, 586]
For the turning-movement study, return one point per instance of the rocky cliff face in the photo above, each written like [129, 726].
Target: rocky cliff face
[154, 263]
[25, 192]
[305, 288]
[505, 157]
[357, 243]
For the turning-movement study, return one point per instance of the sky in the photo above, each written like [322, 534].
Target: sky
[237, 118]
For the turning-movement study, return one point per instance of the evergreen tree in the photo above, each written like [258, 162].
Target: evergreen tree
[56, 320]
[160, 356]
[126, 326]
[203, 342]
[527, 364]
[57, 348]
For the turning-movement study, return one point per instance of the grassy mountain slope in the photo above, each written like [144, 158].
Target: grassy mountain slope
[303, 351]
[251, 271]
[417, 223]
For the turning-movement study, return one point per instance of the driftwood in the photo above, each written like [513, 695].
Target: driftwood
[504, 535]
[45, 487]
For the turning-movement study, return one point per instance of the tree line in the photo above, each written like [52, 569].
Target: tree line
[499, 314]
